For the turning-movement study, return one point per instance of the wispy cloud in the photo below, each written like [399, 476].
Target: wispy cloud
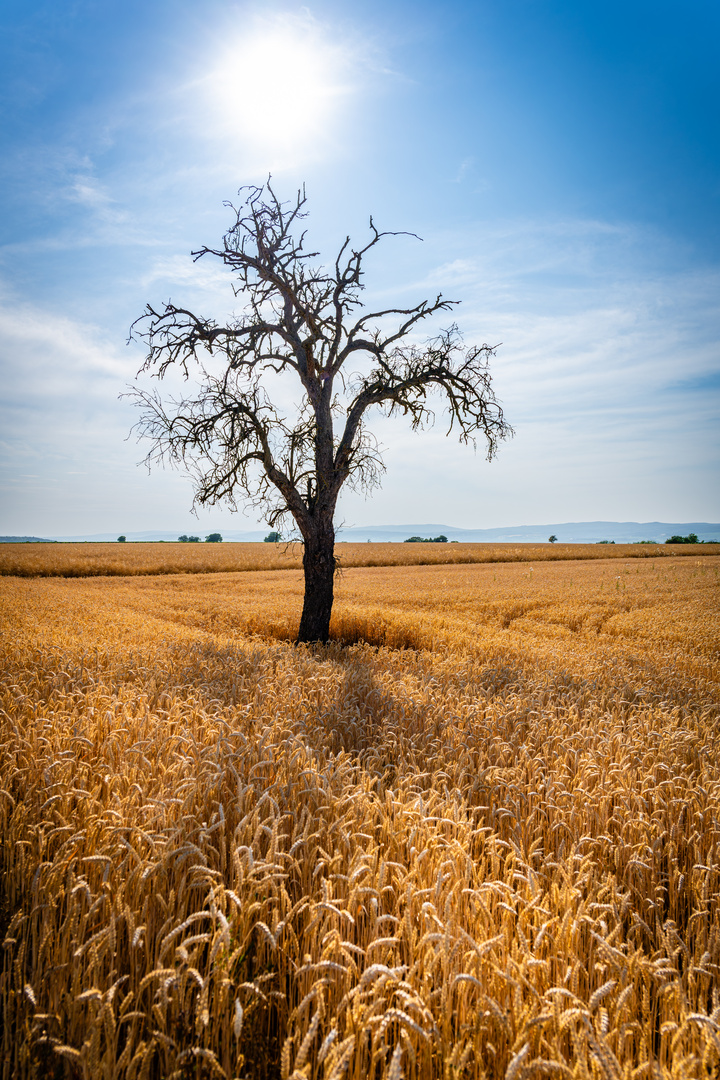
[464, 169]
[87, 191]
[608, 370]
[182, 270]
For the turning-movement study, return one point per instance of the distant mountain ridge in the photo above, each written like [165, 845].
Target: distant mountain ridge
[569, 532]
[25, 540]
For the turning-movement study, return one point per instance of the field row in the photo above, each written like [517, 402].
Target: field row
[91, 560]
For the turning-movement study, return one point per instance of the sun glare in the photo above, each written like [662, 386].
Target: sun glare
[279, 88]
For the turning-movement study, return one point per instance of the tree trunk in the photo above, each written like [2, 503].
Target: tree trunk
[319, 568]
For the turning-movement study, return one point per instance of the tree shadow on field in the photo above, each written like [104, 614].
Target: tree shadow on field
[359, 716]
[384, 701]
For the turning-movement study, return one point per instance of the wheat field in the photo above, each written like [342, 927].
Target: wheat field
[91, 560]
[476, 836]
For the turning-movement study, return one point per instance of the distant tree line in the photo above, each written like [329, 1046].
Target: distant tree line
[691, 538]
[212, 538]
[426, 540]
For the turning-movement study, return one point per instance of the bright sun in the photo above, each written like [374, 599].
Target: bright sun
[278, 88]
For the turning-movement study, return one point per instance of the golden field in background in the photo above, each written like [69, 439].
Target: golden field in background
[90, 560]
[478, 835]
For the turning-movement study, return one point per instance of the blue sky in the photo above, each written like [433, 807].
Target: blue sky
[560, 160]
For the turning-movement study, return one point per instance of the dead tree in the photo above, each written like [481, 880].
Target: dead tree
[304, 321]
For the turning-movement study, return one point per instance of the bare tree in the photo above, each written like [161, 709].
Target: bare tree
[306, 321]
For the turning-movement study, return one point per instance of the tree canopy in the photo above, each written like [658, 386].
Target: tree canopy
[301, 320]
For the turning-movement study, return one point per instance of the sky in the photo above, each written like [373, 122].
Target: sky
[559, 158]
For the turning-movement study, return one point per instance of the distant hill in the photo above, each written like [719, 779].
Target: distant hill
[568, 532]
[25, 540]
